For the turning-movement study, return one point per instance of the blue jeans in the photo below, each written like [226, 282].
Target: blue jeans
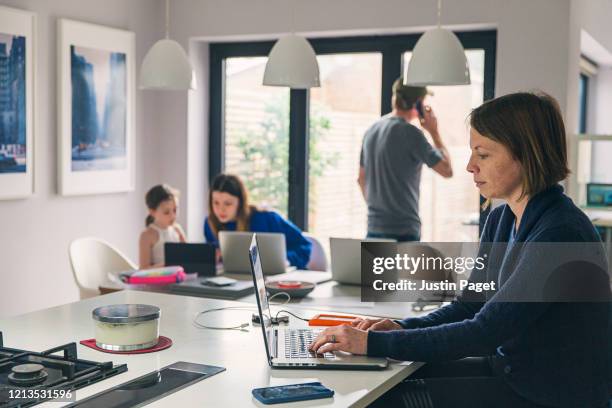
[398, 238]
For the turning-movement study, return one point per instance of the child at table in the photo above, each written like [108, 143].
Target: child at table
[161, 226]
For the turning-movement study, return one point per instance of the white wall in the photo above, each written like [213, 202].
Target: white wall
[601, 103]
[35, 232]
[197, 159]
[592, 17]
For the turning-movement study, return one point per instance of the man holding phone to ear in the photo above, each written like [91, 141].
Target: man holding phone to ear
[392, 155]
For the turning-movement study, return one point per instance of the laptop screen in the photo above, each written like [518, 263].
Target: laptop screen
[261, 296]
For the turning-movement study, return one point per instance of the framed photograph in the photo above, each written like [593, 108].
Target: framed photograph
[17, 33]
[96, 108]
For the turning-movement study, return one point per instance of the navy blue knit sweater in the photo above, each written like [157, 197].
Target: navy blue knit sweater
[555, 354]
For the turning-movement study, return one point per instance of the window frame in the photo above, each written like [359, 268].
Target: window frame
[583, 102]
[392, 48]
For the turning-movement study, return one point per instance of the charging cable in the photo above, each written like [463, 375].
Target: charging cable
[288, 312]
[241, 326]
[280, 294]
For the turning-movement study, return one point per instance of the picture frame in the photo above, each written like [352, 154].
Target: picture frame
[96, 82]
[17, 127]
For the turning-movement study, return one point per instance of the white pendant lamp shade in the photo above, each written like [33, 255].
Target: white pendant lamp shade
[438, 58]
[293, 63]
[167, 67]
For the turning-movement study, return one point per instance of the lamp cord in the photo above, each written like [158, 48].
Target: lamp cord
[167, 19]
[292, 16]
[439, 11]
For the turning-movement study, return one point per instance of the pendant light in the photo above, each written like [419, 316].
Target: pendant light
[166, 65]
[438, 58]
[292, 62]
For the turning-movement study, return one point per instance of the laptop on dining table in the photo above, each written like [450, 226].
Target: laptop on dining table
[288, 347]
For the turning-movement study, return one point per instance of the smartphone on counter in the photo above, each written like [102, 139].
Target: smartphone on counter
[292, 392]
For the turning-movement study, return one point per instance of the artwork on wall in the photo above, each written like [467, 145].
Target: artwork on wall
[96, 108]
[17, 33]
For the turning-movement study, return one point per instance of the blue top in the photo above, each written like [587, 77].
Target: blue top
[554, 354]
[298, 247]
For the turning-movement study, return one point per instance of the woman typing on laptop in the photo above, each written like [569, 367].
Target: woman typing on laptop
[229, 210]
[494, 353]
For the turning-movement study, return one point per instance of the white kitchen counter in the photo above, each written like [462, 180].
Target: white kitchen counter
[241, 353]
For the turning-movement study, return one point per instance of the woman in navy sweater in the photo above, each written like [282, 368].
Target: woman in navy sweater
[496, 352]
[229, 210]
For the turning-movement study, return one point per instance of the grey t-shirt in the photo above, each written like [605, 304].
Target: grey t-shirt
[393, 153]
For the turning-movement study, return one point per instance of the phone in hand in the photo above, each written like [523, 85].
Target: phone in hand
[292, 392]
[420, 109]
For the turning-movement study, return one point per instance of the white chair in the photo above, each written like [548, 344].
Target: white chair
[318, 258]
[92, 259]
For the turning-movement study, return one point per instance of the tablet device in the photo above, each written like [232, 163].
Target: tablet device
[193, 257]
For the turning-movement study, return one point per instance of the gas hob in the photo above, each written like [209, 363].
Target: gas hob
[28, 378]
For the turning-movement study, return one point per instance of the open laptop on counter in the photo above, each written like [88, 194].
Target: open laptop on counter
[234, 247]
[346, 258]
[287, 347]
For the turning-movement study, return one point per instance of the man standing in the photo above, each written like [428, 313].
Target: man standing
[392, 155]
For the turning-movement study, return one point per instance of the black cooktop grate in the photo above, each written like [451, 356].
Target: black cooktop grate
[64, 372]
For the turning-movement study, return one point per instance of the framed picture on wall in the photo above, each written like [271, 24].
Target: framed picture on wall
[17, 36]
[95, 108]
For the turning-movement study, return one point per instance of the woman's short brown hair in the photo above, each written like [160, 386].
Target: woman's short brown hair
[530, 125]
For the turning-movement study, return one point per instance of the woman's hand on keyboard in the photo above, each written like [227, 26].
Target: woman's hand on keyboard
[375, 324]
[341, 338]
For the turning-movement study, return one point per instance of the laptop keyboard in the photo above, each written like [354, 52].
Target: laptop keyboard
[297, 342]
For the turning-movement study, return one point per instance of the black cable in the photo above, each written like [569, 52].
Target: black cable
[288, 312]
[242, 326]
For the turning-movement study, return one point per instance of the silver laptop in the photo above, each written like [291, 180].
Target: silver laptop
[235, 252]
[346, 258]
[288, 348]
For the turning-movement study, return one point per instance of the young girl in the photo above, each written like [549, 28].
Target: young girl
[229, 209]
[161, 226]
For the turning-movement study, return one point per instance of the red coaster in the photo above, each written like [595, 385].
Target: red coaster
[163, 343]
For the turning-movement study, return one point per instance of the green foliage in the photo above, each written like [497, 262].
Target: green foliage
[265, 154]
